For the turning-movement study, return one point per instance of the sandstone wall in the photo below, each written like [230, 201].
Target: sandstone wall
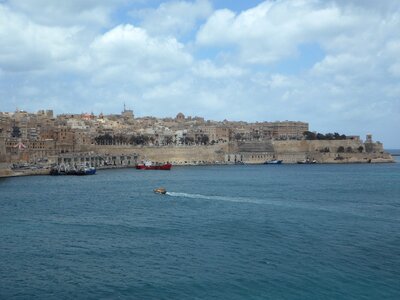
[288, 151]
[174, 154]
[323, 151]
[5, 170]
[314, 145]
[292, 151]
[2, 150]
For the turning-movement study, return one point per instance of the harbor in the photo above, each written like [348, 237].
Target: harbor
[69, 163]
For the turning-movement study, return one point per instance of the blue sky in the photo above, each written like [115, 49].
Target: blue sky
[334, 64]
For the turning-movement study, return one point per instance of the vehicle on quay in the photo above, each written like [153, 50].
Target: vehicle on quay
[149, 165]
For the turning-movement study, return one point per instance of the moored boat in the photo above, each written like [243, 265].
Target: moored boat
[63, 170]
[148, 165]
[59, 170]
[86, 171]
[273, 162]
[307, 161]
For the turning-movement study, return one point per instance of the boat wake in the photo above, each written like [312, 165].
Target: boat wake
[218, 198]
[268, 201]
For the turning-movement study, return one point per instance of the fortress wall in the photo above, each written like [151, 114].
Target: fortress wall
[293, 151]
[263, 146]
[174, 154]
[288, 151]
[5, 170]
[314, 145]
[2, 149]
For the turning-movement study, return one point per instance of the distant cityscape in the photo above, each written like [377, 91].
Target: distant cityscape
[38, 141]
[65, 133]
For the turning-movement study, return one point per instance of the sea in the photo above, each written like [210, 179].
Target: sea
[221, 232]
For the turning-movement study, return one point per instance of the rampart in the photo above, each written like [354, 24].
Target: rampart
[323, 151]
[177, 155]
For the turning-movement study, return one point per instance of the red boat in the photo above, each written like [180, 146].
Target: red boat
[148, 165]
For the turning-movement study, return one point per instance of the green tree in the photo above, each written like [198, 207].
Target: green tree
[204, 139]
[16, 132]
[168, 140]
[308, 135]
[238, 136]
[189, 140]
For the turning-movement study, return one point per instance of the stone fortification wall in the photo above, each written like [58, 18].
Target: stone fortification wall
[5, 170]
[328, 151]
[175, 154]
[2, 149]
[373, 147]
[4, 167]
[262, 147]
[323, 151]
[314, 145]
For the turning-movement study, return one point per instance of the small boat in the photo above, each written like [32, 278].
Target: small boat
[59, 170]
[72, 172]
[160, 190]
[86, 171]
[307, 161]
[62, 170]
[148, 165]
[273, 162]
[55, 172]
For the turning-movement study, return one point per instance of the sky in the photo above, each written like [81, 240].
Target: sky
[334, 64]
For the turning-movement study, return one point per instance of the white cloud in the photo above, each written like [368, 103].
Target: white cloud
[208, 69]
[79, 56]
[385, 6]
[395, 69]
[66, 13]
[128, 53]
[27, 46]
[272, 81]
[272, 30]
[174, 18]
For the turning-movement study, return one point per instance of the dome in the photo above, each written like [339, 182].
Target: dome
[180, 116]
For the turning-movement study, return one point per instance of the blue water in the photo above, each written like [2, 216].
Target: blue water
[222, 232]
